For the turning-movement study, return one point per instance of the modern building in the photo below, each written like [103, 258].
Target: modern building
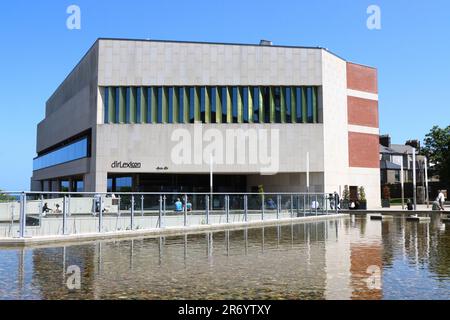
[146, 115]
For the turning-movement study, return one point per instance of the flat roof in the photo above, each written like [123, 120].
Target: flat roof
[222, 43]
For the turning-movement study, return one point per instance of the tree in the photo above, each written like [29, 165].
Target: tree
[5, 197]
[437, 150]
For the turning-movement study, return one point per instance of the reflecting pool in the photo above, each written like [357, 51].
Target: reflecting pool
[348, 258]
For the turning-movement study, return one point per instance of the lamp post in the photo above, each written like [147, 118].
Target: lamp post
[414, 178]
[426, 182]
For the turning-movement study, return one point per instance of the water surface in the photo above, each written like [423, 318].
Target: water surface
[337, 259]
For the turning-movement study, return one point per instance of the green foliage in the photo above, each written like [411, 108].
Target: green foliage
[346, 194]
[362, 194]
[5, 197]
[437, 150]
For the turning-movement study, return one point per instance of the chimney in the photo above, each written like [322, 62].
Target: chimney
[414, 144]
[385, 140]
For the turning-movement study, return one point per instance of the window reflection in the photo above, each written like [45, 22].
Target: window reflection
[74, 151]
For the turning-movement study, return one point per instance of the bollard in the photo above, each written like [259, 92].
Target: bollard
[132, 212]
[292, 206]
[64, 228]
[207, 209]
[304, 205]
[100, 214]
[227, 208]
[245, 208]
[278, 206]
[262, 207]
[316, 205]
[160, 210]
[23, 215]
[185, 209]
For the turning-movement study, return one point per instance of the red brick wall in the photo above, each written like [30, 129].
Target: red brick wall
[362, 112]
[364, 150]
[362, 78]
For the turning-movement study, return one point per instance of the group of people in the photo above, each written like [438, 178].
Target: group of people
[181, 205]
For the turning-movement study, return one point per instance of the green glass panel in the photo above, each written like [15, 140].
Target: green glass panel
[111, 103]
[229, 105]
[272, 104]
[122, 104]
[143, 106]
[207, 105]
[250, 104]
[293, 106]
[304, 106]
[240, 105]
[154, 104]
[186, 104]
[261, 105]
[218, 105]
[176, 104]
[283, 105]
[133, 105]
[315, 105]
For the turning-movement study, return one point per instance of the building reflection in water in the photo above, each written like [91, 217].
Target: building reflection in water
[324, 260]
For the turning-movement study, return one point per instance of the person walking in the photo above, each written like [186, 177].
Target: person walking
[441, 200]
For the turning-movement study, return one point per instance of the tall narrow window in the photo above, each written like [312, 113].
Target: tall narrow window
[224, 99]
[309, 99]
[192, 105]
[117, 103]
[106, 102]
[287, 97]
[181, 105]
[245, 96]
[277, 102]
[160, 105]
[298, 104]
[213, 97]
[235, 95]
[203, 97]
[170, 105]
[138, 105]
[255, 104]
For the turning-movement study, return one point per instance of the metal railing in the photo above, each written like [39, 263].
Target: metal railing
[31, 214]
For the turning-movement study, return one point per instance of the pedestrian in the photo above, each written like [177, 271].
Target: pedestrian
[441, 200]
[409, 205]
[178, 205]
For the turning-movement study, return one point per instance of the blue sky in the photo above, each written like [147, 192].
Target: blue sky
[411, 52]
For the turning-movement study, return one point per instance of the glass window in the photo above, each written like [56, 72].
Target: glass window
[74, 151]
[181, 105]
[203, 104]
[256, 104]
[117, 104]
[235, 97]
[64, 186]
[277, 101]
[170, 105]
[212, 97]
[124, 184]
[138, 105]
[160, 105]
[245, 104]
[309, 99]
[224, 104]
[287, 97]
[299, 104]
[192, 105]
[106, 109]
